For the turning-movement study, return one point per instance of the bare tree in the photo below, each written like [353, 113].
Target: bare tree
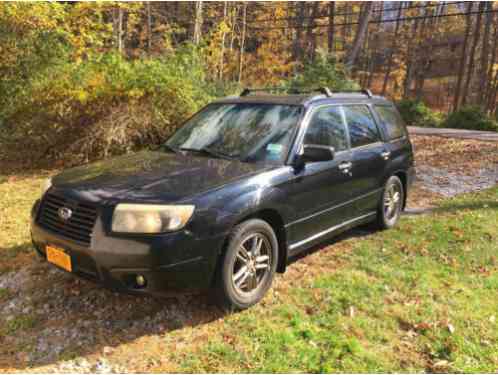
[223, 37]
[331, 28]
[463, 57]
[149, 27]
[393, 48]
[360, 35]
[475, 42]
[242, 40]
[310, 34]
[297, 52]
[198, 22]
[409, 60]
[483, 71]
[493, 61]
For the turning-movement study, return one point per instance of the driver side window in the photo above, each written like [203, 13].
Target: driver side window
[327, 128]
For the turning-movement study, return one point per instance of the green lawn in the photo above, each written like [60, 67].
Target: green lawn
[421, 297]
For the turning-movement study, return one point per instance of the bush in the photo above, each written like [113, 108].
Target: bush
[416, 113]
[470, 117]
[105, 105]
[323, 71]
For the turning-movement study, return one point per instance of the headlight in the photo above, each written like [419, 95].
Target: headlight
[47, 184]
[148, 218]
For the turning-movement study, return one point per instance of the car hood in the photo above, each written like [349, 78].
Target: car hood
[152, 176]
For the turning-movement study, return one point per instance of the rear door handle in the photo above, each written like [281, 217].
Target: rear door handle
[385, 155]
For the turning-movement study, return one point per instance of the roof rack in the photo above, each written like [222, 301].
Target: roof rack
[324, 90]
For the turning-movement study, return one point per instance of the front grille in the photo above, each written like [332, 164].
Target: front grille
[78, 227]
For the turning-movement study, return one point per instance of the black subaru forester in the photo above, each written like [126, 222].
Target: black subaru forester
[246, 183]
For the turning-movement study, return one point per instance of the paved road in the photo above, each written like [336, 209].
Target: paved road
[455, 133]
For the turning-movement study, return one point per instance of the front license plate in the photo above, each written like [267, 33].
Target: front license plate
[58, 257]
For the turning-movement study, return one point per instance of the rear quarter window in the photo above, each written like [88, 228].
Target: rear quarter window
[391, 121]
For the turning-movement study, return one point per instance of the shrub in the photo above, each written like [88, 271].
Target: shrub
[470, 117]
[416, 113]
[323, 71]
[106, 105]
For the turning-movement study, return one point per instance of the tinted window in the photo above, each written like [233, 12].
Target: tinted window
[362, 127]
[392, 121]
[327, 128]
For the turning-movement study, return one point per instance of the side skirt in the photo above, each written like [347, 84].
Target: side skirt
[330, 232]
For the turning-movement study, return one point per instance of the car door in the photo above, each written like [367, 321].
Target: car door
[321, 191]
[398, 146]
[369, 156]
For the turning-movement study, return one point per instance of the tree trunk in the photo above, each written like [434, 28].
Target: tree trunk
[120, 30]
[360, 35]
[489, 91]
[242, 41]
[297, 53]
[310, 34]
[463, 58]
[426, 62]
[223, 37]
[198, 23]
[483, 72]
[409, 61]
[149, 28]
[393, 47]
[331, 28]
[475, 42]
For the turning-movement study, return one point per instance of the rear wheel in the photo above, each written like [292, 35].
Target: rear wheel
[248, 265]
[391, 204]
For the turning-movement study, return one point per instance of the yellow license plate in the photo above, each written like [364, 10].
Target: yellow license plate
[59, 258]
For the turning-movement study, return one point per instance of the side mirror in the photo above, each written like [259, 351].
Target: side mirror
[317, 153]
[313, 153]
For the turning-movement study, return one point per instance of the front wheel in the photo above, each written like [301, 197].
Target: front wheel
[248, 266]
[391, 204]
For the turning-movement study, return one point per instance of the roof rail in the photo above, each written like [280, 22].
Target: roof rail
[247, 90]
[324, 90]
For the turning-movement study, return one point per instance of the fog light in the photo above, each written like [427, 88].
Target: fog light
[140, 280]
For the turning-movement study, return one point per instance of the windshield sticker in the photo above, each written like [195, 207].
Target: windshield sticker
[274, 148]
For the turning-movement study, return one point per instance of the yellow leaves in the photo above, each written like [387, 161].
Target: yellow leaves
[136, 93]
[81, 96]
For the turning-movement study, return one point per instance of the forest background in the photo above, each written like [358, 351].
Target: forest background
[82, 81]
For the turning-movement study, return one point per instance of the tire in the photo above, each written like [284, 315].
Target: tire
[238, 288]
[391, 203]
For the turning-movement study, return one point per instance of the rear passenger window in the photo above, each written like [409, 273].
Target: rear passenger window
[392, 121]
[327, 128]
[361, 124]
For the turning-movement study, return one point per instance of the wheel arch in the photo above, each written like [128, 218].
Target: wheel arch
[275, 220]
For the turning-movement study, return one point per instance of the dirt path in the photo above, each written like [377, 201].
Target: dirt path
[455, 133]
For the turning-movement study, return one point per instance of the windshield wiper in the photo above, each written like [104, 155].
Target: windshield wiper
[210, 152]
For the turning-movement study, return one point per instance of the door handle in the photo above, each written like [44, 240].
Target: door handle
[385, 155]
[345, 166]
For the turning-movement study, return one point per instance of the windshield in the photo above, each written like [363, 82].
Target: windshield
[248, 132]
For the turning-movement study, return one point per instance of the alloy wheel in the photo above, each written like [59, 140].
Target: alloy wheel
[252, 263]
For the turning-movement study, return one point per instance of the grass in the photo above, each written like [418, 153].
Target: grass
[421, 297]
[20, 322]
[18, 194]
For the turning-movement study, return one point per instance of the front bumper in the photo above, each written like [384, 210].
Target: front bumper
[168, 262]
